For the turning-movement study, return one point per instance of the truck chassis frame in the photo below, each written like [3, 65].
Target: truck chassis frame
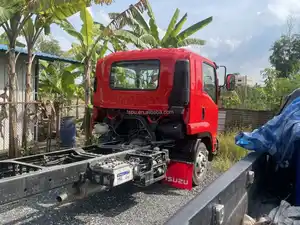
[78, 167]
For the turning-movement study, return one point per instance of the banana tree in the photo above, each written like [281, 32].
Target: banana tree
[12, 29]
[86, 52]
[91, 46]
[79, 94]
[5, 41]
[119, 38]
[12, 21]
[148, 32]
[32, 30]
[48, 44]
[79, 90]
[58, 86]
[13, 16]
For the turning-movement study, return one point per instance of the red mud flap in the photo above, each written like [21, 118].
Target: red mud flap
[179, 175]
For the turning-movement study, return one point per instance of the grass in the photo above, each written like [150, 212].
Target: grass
[229, 153]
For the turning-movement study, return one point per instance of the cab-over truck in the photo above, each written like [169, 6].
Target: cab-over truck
[156, 112]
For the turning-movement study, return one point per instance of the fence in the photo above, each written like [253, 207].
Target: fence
[76, 111]
[42, 122]
[4, 123]
[41, 134]
[231, 118]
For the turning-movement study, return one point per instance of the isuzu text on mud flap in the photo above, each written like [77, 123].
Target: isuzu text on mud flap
[181, 87]
[175, 180]
[179, 175]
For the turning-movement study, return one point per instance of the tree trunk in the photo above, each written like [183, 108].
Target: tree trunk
[57, 122]
[28, 93]
[13, 141]
[87, 101]
[77, 108]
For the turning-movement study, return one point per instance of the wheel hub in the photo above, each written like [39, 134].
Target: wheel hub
[200, 164]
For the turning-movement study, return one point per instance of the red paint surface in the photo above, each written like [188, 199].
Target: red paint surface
[179, 175]
[107, 98]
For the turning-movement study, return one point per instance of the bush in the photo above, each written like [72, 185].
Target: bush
[229, 153]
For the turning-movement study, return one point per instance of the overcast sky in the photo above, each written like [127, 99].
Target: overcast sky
[240, 35]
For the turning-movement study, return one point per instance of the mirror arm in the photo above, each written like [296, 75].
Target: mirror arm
[225, 72]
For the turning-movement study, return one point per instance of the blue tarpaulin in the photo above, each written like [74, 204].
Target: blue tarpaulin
[278, 136]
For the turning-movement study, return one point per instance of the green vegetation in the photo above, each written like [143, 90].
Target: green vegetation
[229, 153]
[32, 20]
[149, 33]
[270, 95]
[279, 80]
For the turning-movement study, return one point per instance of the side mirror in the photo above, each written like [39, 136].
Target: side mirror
[230, 82]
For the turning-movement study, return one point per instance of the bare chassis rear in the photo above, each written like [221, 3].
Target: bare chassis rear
[87, 170]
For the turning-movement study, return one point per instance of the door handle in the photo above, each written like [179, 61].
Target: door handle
[203, 113]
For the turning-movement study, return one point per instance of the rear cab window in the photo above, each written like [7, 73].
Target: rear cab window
[135, 75]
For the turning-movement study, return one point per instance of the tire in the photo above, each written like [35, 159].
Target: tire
[211, 155]
[200, 162]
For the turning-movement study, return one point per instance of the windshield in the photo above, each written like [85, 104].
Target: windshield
[141, 75]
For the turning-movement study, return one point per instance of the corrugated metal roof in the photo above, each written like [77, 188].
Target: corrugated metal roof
[40, 55]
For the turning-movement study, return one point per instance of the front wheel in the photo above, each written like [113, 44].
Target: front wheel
[200, 162]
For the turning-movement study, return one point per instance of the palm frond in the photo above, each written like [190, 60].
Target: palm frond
[150, 40]
[113, 15]
[152, 22]
[194, 28]
[190, 41]
[8, 8]
[171, 25]
[69, 28]
[179, 26]
[116, 23]
[87, 26]
[66, 10]
[130, 38]
[102, 2]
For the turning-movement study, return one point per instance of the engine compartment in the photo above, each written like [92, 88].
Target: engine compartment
[119, 126]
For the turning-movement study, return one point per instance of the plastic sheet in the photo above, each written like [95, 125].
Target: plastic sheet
[277, 137]
[284, 214]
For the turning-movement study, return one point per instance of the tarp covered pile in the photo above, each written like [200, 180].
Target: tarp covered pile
[280, 137]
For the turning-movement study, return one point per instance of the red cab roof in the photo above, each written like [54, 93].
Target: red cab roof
[152, 53]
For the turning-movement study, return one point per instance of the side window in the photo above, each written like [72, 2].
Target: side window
[209, 81]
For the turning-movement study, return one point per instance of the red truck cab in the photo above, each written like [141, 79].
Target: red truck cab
[160, 95]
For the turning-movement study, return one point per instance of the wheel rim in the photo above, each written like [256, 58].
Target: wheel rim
[200, 164]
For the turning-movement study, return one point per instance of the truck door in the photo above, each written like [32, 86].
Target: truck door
[209, 107]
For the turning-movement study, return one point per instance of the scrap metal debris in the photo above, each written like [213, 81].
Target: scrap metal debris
[248, 220]
[284, 214]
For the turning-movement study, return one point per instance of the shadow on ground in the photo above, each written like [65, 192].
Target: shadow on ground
[41, 209]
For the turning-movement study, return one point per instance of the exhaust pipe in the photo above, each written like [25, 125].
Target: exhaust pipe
[80, 192]
[69, 194]
[62, 197]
